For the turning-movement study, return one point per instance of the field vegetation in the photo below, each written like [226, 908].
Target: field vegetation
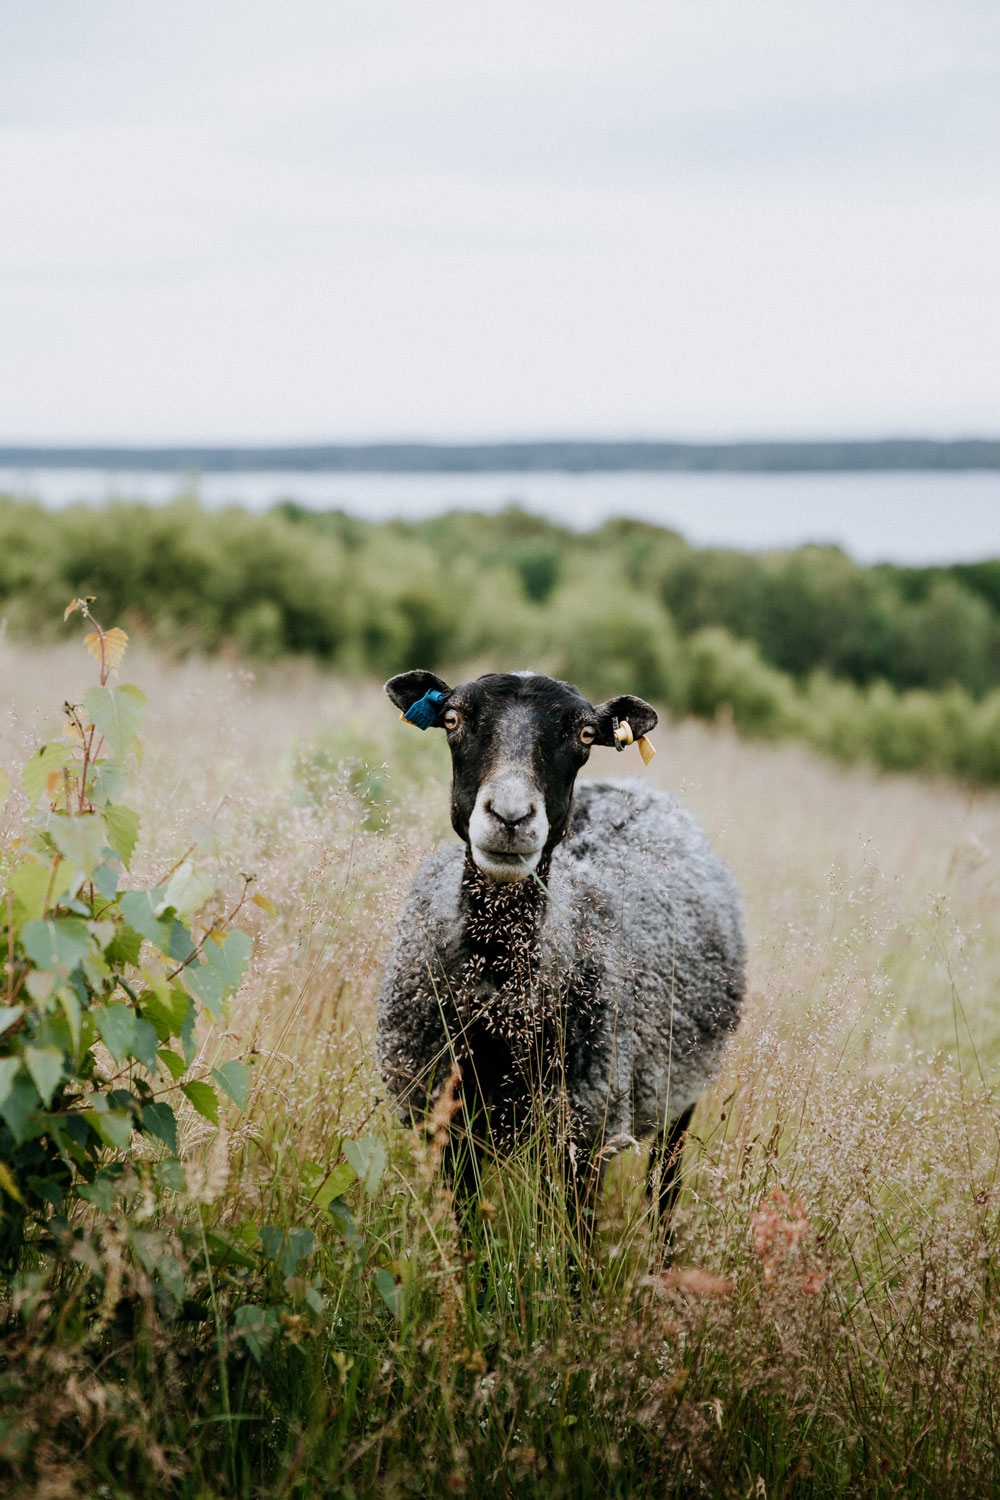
[277, 1304]
[897, 667]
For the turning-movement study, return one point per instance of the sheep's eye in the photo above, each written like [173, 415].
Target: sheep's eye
[452, 718]
[587, 734]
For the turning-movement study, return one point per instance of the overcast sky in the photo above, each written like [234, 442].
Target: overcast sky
[326, 219]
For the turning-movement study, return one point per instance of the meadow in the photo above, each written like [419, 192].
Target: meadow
[295, 1315]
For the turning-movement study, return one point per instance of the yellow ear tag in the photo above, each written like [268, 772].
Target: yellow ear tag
[623, 734]
[645, 749]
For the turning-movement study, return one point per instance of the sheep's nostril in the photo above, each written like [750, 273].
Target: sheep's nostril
[510, 821]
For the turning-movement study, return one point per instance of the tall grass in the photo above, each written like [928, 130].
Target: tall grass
[828, 1325]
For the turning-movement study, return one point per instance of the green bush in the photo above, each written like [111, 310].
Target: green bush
[625, 644]
[101, 985]
[728, 676]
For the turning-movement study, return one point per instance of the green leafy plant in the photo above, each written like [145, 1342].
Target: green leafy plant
[101, 986]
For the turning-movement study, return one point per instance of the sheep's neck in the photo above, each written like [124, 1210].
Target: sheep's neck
[501, 925]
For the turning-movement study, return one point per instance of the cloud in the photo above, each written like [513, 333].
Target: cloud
[324, 220]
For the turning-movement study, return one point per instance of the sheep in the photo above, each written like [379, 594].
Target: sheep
[583, 952]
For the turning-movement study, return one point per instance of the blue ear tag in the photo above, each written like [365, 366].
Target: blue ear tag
[424, 712]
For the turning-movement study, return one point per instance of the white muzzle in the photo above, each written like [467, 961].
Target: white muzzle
[508, 827]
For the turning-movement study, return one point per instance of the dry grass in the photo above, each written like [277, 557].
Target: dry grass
[830, 1326]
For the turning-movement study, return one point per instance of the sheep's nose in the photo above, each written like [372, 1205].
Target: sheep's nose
[510, 817]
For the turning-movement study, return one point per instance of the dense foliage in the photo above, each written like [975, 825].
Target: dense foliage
[897, 665]
[102, 986]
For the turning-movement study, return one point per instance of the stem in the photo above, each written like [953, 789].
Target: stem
[219, 1334]
[199, 946]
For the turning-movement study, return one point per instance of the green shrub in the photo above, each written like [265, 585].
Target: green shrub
[101, 986]
[625, 643]
[728, 676]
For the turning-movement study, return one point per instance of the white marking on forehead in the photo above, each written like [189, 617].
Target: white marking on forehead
[524, 672]
[517, 728]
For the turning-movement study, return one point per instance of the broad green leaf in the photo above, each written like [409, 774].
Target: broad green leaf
[145, 1044]
[368, 1158]
[175, 1066]
[335, 1186]
[117, 713]
[41, 765]
[167, 1009]
[288, 1248]
[181, 944]
[70, 1003]
[204, 1099]
[48, 1189]
[189, 1041]
[116, 1023]
[123, 831]
[340, 1213]
[107, 875]
[126, 946]
[233, 1078]
[209, 988]
[8, 1015]
[56, 943]
[148, 915]
[41, 985]
[155, 1009]
[225, 1250]
[389, 1290]
[110, 780]
[114, 1126]
[9, 1068]
[19, 1105]
[100, 1192]
[187, 890]
[159, 1120]
[139, 911]
[79, 839]
[171, 1173]
[36, 886]
[45, 1064]
[218, 975]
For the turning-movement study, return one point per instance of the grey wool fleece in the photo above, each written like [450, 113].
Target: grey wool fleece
[611, 985]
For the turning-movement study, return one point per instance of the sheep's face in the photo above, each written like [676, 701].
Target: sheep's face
[517, 741]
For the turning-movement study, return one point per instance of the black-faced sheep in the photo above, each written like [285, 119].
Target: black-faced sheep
[583, 951]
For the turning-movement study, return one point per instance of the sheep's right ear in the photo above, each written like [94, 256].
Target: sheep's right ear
[408, 691]
[635, 711]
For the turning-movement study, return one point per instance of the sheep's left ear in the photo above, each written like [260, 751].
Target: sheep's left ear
[409, 686]
[633, 711]
[418, 695]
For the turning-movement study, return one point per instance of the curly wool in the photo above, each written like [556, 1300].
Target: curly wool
[612, 984]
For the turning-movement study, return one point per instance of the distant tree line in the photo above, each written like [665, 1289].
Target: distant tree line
[897, 665]
[566, 456]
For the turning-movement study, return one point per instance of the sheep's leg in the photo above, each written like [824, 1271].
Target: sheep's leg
[665, 1160]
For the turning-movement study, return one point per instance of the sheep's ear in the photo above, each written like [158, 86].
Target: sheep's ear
[405, 689]
[637, 713]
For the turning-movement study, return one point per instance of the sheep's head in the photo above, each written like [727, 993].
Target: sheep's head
[517, 741]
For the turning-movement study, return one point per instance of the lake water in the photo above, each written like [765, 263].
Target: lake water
[918, 517]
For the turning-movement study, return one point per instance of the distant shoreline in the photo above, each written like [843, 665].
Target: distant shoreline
[567, 457]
